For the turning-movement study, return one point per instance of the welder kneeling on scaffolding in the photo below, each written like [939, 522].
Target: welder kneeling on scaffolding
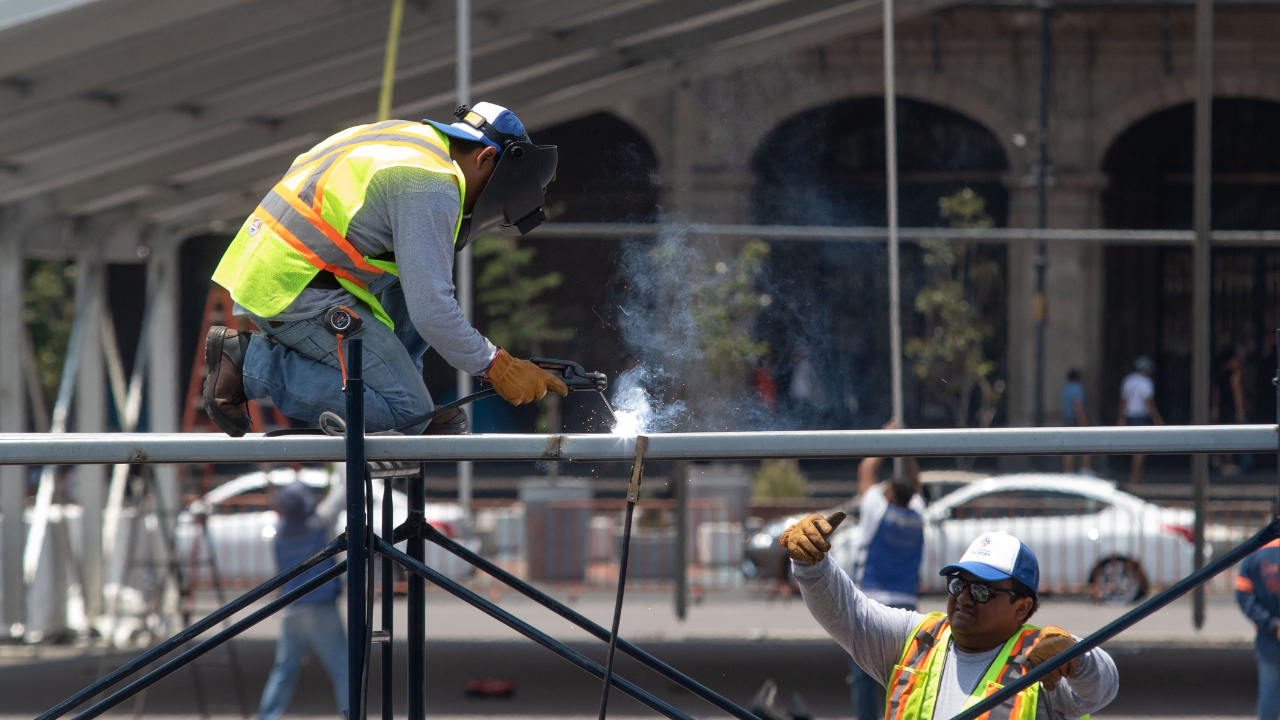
[938, 664]
[370, 219]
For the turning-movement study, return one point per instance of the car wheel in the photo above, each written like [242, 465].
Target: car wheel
[1118, 581]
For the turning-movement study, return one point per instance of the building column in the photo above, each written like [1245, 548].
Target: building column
[13, 486]
[91, 417]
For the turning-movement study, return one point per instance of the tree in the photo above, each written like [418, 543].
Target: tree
[49, 309]
[726, 303]
[515, 304]
[951, 356]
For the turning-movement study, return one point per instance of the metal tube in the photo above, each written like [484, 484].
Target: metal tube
[180, 661]
[357, 634]
[527, 630]
[417, 629]
[389, 61]
[584, 623]
[388, 607]
[82, 449]
[596, 231]
[633, 496]
[462, 262]
[1125, 621]
[1201, 292]
[187, 634]
[680, 489]
[891, 188]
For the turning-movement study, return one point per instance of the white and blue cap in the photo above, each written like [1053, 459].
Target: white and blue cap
[999, 556]
[490, 124]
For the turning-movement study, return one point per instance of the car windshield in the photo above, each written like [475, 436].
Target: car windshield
[1027, 503]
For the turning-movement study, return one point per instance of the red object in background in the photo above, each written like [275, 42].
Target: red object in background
[490, 688]
[1185, 532]
[766, 388]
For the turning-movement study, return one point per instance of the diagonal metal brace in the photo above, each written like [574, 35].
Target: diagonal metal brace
[526, 629]
[1122, 623]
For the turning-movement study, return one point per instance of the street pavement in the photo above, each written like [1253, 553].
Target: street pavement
[731, 642]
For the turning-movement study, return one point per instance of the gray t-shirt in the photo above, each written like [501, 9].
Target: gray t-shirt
[411, 212]
[875, 635]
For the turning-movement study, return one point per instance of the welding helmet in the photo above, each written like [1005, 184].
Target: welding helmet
[513, 198]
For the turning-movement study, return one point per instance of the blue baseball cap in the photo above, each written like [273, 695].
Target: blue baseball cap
[999, 556]
[490, 124]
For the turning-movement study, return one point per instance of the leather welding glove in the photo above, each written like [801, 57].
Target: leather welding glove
[520, 381]
[1052, 641]
[806, 541]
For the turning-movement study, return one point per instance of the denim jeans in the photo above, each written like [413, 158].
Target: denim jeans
[318, 627]
[868, 695]
[1268, 685]
[297, 366]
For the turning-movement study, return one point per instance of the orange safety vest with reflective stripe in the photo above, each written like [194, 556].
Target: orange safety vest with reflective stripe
[299, 229]
[913, 686]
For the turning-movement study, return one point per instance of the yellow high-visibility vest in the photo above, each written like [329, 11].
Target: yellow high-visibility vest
[913, 686]
[299, 229]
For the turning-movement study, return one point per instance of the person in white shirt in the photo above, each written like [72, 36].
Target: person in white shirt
[1138, 405]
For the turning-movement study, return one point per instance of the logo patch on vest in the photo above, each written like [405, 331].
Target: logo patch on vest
[254, 227]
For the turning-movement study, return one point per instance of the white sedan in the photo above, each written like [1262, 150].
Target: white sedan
[241, 526]
[1086, 534]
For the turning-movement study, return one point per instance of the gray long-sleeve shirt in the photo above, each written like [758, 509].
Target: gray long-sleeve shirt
[411, 212]
[875, 636]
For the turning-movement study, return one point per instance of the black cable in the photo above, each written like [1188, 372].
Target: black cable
[445, 408]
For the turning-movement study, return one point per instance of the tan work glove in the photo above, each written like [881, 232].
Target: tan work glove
[806, 541]
[1052, 641]
[520, 381]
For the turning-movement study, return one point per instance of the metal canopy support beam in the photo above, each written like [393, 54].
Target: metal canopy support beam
[1200, 290]
[463, 259]
[13, 486]
[164, 392]
[1042, 198]
[91, 417]
[38, 449]
[891, 183]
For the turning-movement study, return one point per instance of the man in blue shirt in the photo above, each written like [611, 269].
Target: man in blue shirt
[312, 622]
[1258, 594]
[887, 568]
[1073, 413]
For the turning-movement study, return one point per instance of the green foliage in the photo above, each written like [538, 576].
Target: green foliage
[519, 318]
[725, 303]
[49, 310]
[959, 283]
[779, 479]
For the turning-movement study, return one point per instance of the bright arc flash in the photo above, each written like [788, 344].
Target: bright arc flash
[628, 422]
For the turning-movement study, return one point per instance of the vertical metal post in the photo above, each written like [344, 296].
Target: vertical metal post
[1276, 382]
[1042, 193]
[357, 634]
[91, 480]
[13, 411]
[680, 489]
[388, 605]
[389, 61]
[164, 390]
[633, 496]
[417, 630]
[463, 262]
[1200, 291]
[891, 188]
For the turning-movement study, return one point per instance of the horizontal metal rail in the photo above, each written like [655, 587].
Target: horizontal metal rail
[827, 233]
[167, 669]
[511, 621]
[84, 449]
[1124, 622]
[191, 632]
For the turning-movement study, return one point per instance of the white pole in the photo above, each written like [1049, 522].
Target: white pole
[463, 261]
[891, 175]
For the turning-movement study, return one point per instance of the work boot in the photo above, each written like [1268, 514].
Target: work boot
[224, 398]
[453, 422]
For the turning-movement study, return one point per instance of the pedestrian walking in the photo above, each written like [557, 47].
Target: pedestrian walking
[937, 664]
[1258, 595]
[887, 568]
[1230, 404]
[313, 621]
[1074, 414]
[1138, 405]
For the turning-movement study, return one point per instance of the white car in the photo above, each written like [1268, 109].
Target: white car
[241, 526]
[1086, 534]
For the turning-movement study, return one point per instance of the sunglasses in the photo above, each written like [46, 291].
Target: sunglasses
[980, 592]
